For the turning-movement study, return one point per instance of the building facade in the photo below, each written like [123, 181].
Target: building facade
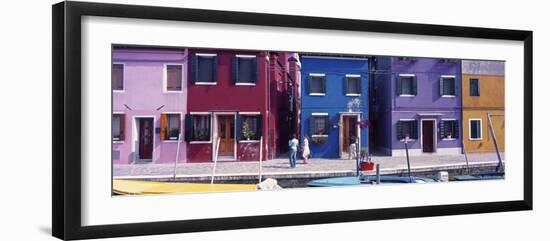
[418, 98]
[334, 100]
[149, 103]
[483, 88]
[235, 104]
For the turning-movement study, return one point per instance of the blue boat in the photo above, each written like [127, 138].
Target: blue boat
[479, 177]
[365, 180]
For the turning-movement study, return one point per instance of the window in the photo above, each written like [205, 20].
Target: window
[170, 126]
[475, 129]
[319, 124]
[474, 87]
[117, 76]
[317, 84]
[173, 77]
[250, 127]
[448, 86]
[448, 129]
[406, 85]
[118, 127]
[245, 69]
[353, 85]
[205, 68]
[198, 127]
[407, 128]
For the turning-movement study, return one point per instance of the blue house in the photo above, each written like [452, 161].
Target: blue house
[335, 97]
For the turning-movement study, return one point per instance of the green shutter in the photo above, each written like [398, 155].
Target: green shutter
[188, 127]
[311, 125]
[259, 129]
[399, 130]
[441, 89]
[255, 69]
[324, 84]
[345, 85]
[414, 130]
[442, 129]
[455, 129]
[215, 69]
[309, 81]
[414, 91]
[235, 69]
[239, 127]
[327, 125]
[456, 86]
[399, 89]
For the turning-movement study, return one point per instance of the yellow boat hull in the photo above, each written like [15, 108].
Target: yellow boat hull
[129, 187]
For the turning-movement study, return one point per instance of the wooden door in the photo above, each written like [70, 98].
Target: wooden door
[145, 138]
[226, 133]
[428, 144]
[349, 131]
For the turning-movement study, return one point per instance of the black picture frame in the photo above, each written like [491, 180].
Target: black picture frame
[66, 127]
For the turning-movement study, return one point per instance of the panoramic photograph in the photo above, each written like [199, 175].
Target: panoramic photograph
[195, 120]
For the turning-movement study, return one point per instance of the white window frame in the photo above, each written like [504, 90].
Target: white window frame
[165, 78]
[480, 129]
[409, 120]
[206, 83]
[353, 76]
[123, 77]
[450, 119]
[449, 76]
[245, 56]
[257, 113]
[203, 142]
[119, 141]
[320, 114]
[407, 95]
[181, 124]
[317, 75]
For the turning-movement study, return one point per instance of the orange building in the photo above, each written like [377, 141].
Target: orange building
[482, 94]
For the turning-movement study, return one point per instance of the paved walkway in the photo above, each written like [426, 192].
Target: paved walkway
[281, 166]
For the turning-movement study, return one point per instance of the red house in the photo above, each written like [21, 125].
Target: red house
[234, 99]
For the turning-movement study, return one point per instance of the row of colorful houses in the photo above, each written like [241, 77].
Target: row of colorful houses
[181, 103]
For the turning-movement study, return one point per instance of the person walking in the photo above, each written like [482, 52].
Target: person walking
[305, 149]
[292, 150]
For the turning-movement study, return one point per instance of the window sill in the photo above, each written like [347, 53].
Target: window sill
[319, 135]
[245, 84]
[118, 142]
[353, 94]
[200, 142]
[407, 95]
[118, 91]
[249, 141]
[174, 141]
[206, 83]
[448, 139]
[173, 91]
[475, 139]
[448, 96]
[317, 94]
[403, 140]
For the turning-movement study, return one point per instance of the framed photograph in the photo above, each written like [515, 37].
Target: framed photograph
[172, 120]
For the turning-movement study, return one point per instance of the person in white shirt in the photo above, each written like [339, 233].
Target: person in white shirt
[292, 150]
[305, 149]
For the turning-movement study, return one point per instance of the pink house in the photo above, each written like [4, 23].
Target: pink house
[149, 104]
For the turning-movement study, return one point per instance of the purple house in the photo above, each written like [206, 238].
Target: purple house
[149, 103]
[418, 99]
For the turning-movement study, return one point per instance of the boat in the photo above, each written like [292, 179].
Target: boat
[479, 177]
[133, 187]
[365, 180]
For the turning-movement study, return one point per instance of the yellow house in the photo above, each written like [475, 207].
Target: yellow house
[482, 94]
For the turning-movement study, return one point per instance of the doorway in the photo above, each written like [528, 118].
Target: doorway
[428, 136]
[225, 130]
[349, 133]
[145, 138]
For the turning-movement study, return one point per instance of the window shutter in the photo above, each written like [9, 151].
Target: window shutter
[235, 71]
[399, 130]
[194, 68]
[442, 129]
[327, 125]
[398, 84]
[255, 70]
[188, 127]
[311, 125]
[259, 129]
[324, 86]
[359, 84]
[455, 129]
[215, 69]
[456, 86]
[239, 127]
[122, 126]
[309, 83]
[441, 86]
[413, 84]
[163, 126]
[346, 85]
[414, 130]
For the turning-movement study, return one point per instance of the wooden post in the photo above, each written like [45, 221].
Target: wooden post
[177, 156]
[260, 162]
[216, 148]
[494, 142]
[466, 157]
[407, 153]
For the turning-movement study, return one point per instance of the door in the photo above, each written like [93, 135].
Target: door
[349, 132]
[226, 133]
[146, 138]
[428, 144]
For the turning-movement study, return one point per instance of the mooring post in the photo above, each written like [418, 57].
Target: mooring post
[407, 153]
[377, 173]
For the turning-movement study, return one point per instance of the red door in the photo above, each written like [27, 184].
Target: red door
[145, 138]
[428, 136]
